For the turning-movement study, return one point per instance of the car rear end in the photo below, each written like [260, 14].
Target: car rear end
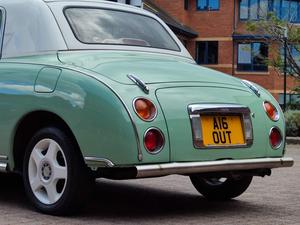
[203, 122]
[213, 128]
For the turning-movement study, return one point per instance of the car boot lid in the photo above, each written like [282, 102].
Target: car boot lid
[149, 68]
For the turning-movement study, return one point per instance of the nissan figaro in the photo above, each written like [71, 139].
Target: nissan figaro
[94, 89]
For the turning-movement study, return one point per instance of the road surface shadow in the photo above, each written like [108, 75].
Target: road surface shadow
[113, 199]
[12, 190]
[123, 200]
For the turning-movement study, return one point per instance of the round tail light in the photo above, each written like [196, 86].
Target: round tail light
[271, 111]
[145, 109]
[154, 140]
[275, 138]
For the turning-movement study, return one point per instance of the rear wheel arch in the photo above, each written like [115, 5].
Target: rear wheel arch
[28, 126]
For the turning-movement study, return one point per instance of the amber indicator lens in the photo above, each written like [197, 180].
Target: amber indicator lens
[271, 111]
[145, 109]
[153, 140]
[275, 138]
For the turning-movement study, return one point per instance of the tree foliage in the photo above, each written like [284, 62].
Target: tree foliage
[273, 30]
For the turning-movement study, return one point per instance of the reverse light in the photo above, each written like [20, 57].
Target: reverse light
[153, 140]
[145, 109]
[271, 111]
[275, 138]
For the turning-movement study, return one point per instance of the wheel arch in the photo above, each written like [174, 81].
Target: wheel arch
[30, 124]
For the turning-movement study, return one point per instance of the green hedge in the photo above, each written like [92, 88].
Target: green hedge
[292, 123]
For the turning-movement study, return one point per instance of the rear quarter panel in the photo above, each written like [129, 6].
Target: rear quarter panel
[96, 116]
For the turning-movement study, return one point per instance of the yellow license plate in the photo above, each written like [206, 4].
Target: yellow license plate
[222, 130]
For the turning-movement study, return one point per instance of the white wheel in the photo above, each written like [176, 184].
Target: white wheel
[47, 171]
[55, 176]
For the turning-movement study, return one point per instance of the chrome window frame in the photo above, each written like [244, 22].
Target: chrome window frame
[196, 110]
[2, 28]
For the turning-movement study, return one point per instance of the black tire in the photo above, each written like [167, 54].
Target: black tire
[72, 189]
[216, 189]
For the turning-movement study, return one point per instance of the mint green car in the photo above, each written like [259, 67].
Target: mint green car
[92, 89]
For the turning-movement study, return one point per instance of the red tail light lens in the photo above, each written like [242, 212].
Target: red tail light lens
[271, 111]
[275, 138]
[145, 109]
[154, 140]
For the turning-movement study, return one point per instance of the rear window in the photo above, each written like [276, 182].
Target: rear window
[102, 26]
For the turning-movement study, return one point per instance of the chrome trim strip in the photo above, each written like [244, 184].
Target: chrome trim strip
[217, 108]
[99, 162]
[139, 83]
[196, 110]
[212, 166]
[3, 157]
[3, 167]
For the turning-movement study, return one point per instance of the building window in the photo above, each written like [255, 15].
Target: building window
[258, 9]
[186, 4]
[207, 52]
[209, 5]
[291, 99]
[244, 9]
[253, 9]
[252, 56]
[295, 53]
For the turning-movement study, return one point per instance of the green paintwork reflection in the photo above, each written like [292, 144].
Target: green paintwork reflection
[94, 97]
[151, 68]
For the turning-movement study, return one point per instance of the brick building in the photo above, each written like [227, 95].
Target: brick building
[223, 42]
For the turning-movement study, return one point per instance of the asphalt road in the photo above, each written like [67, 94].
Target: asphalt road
[169, 200]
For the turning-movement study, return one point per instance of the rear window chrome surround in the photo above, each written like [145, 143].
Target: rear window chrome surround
[196, 110]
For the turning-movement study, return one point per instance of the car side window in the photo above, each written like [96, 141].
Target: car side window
[30, 31]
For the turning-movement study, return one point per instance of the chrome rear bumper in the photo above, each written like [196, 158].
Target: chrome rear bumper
[3, 167]
[157, 170]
